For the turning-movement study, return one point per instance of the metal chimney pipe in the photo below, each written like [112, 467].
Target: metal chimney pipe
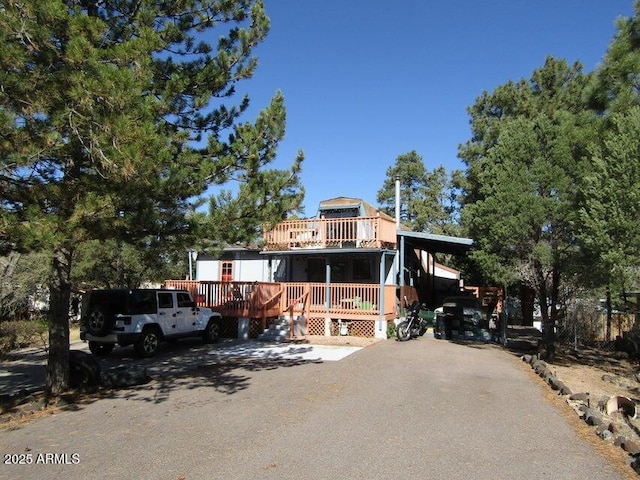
[398, 201]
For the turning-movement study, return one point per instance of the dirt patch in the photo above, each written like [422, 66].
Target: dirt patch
[25, 408]
[598, 373]
[602, 373]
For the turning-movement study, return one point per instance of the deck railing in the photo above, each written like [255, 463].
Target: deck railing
[351, 301]
[234, 299]
[357, 232]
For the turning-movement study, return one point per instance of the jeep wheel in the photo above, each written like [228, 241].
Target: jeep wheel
[97, 322]
[100, 349]
[148, 344]
[212, 332]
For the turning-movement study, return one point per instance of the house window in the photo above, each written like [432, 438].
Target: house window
[362, 269]
[226, 272]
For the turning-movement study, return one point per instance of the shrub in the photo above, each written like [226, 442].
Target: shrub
[391, 330]
[16, 334]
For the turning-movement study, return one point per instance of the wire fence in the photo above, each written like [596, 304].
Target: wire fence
[591, 329]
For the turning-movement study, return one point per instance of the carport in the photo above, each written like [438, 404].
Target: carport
[432, 244]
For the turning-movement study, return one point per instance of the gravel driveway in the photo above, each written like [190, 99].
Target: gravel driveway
[424, 409]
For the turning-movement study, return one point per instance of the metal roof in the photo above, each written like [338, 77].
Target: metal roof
[433, 243]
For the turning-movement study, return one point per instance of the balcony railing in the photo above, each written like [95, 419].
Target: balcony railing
[315, 233]
[265, 300]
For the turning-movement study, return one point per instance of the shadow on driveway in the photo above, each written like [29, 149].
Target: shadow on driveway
[224, 366]
[211, 366]
[520, 340]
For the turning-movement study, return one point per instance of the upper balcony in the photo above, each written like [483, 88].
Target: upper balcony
[318, 233]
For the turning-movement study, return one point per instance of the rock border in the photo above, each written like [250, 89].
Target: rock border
[614, 428]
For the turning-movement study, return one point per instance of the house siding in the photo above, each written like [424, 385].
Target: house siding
[248, 266]
[208, 270]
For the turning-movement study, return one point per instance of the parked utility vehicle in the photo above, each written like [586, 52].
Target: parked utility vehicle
[143, 318]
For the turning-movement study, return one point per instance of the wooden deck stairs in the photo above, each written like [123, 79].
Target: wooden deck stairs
[280, 329]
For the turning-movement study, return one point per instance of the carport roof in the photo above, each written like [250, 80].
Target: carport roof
[436, 243]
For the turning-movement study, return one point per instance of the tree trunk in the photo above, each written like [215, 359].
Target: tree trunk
[608, 330]
[57, 378]
[548, 326]
[550, 333]
[527, 298]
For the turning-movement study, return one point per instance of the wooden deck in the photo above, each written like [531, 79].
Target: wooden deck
[319, 233]
[346, 301]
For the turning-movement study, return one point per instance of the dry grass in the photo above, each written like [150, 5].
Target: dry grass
[74, 333]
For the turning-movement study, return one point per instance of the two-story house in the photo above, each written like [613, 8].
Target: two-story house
[350, 263]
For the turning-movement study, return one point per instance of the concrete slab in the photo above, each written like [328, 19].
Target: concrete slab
[325, 353]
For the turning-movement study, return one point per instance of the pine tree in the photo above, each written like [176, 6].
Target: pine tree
[522, 164]
[427, 202]
[115, 117]
[609, 230]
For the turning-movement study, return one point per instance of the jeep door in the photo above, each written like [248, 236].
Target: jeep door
[186, 314]
[168, 316]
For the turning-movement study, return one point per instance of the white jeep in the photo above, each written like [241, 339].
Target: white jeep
[143, 318]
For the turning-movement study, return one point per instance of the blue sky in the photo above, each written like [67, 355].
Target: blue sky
[367, 80]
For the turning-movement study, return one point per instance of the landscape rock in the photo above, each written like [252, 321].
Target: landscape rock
[539, 366]
[581, 397]
[630, 446]
[528, 359]
[126, 376]
[620, 355]
[635, 464]
[84, 370]
[564, 390]
[607, 435]
[593, 417]
[614, 428]
[602, 403]
[558, 385]
[553, 382]
[604, 433]
[613, 418]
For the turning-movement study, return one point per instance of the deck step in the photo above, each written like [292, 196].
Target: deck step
[278, 331]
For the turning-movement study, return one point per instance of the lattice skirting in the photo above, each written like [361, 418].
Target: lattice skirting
[356, 328]
[229, 327]
[255, 326]
[315, 326]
